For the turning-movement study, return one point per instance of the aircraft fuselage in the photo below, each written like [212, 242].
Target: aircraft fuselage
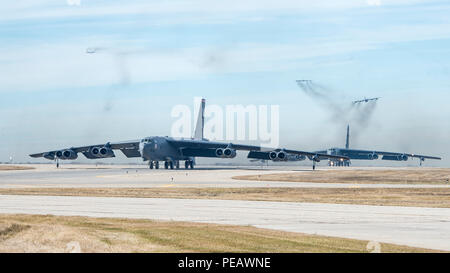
[159, 149]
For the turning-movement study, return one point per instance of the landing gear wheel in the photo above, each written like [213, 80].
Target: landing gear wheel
[191, 164]
[177, 164]
[166, 165]
[171, 165]
[150, 165]
[186, 164]
[157, 165]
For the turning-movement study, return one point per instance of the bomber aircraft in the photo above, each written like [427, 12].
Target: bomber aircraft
[368, 154]
[365, 100]
[173, 150]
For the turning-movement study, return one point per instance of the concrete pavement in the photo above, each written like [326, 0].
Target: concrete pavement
[420, 227]
[140, 176]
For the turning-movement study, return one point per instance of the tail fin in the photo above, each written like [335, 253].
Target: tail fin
[198, 132]
[347, 141]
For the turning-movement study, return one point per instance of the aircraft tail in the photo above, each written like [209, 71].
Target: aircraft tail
[347, 141]
[198, 132]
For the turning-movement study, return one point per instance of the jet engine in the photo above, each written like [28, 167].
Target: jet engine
[219, 152]
[281, 156]
[66, 155]
[273, 155]
[395, 157]
[278, 156]
[229, 153]
[226, 153]
[101, 152]
[373, 156]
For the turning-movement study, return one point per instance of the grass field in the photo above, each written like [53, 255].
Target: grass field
[44, 233]
[433, 176]
[416, 197]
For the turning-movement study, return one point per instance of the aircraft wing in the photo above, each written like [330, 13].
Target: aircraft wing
[317, 155]
[408, 155]
[202, 144]
[388, 155]
[128, 148]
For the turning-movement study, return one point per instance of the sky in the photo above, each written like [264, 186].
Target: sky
[152, 55]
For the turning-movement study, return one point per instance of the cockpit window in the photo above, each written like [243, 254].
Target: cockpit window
[147, 140]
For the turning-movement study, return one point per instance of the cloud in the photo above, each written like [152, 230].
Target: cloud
[66, 64]
[46, 9]
[374, 2]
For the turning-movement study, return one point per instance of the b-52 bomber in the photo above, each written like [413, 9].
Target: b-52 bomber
[171, 151]
[366, 100]
[357, 154]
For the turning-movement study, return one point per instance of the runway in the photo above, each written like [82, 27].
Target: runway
[419, 227]
[412, 226]
[135, 176]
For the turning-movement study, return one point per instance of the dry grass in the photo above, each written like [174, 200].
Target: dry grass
[11, 231]
[14, 168]
[415, 197]
[411, 176]
[62, 234]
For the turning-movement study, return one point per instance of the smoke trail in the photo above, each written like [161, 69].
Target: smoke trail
[325, 97]
[120, 57]
[357, 115]
[361, 117]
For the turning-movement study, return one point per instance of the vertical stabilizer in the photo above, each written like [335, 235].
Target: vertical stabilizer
[347, 141]
[198, 132]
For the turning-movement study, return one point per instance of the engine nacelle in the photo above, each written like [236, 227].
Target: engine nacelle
[403, 158]
[282, 156]
[66, 155]
[273, 156]
[94, 151]
[101, 152]
[278, 156]
[229, 153]
[219, 152]
[373, 156]
[225, 153]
